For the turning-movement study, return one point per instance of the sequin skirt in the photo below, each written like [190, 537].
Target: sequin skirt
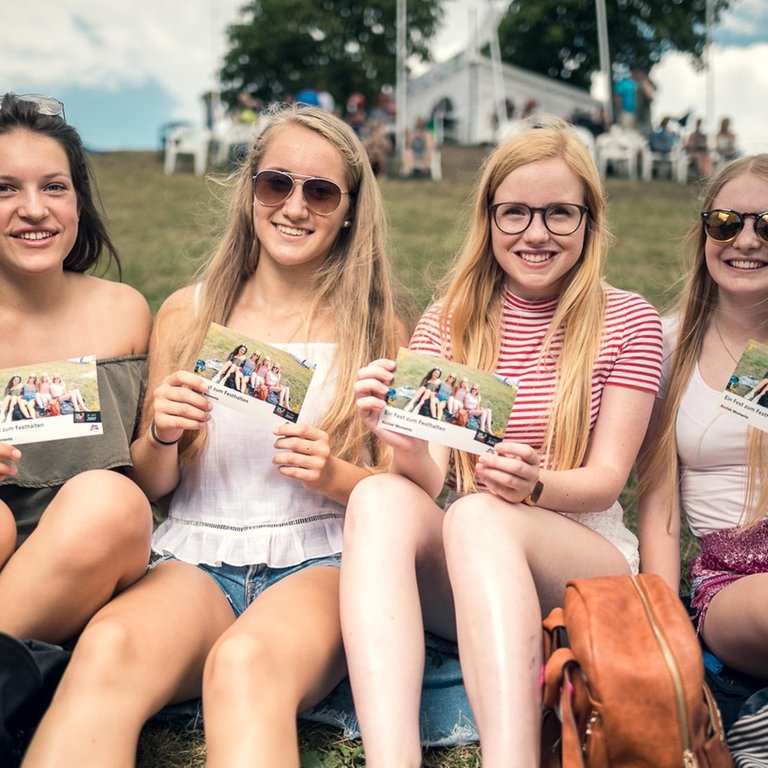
[726, 556]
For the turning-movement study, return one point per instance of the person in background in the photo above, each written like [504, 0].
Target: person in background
[697, 147]
[663, 139]
[625, 100]
[644, 96]
[725, 142]
[243, 605]
[417, 152]
[701, 465]
[80, 529]
[525, 298]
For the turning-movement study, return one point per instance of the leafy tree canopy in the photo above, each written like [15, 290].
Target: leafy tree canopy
[559, 38]
[343, 46]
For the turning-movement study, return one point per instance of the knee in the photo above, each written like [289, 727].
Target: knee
[243, 663]
[464, 515]
[377, 505]
[475, 520]
[107, 651]
[106, 506]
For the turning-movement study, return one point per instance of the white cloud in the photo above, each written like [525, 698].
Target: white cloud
[740, 74]
[735, 82]
[117, 44]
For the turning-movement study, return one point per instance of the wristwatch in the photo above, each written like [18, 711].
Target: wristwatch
[532, 499]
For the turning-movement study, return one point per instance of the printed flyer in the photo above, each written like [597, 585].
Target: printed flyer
[251, 376]
[50, 401]
[746, 394]
[443, 402]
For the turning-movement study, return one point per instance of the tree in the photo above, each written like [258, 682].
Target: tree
[558, 38]
[344, 46]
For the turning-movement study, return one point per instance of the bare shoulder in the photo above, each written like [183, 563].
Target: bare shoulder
[181, 300]
[122, 312]
[177, 307]
[174, 318]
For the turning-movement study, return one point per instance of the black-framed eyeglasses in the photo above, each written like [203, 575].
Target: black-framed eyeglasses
[559, 218]
[724, 225]
[322, 196]
[46, 105]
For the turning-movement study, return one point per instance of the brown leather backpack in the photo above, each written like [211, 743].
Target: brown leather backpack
[624, 681]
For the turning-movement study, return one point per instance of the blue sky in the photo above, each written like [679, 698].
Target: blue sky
[123, 69]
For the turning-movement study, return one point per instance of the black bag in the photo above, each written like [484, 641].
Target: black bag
[29, 673]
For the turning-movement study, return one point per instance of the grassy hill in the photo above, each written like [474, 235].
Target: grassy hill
[164, 225]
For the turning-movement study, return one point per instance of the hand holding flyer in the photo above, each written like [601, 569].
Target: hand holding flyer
[444, 402]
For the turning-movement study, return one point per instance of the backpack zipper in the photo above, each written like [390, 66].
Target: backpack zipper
[689, 759]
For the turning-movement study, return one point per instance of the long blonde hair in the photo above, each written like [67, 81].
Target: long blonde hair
[698, 300]
[353, 284]
[474, 288]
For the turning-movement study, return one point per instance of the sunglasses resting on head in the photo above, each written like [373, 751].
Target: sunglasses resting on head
[46, 105]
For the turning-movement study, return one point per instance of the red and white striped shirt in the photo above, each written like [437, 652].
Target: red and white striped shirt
[630, 355]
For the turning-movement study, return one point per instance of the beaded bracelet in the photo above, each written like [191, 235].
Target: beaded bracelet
[157, 439]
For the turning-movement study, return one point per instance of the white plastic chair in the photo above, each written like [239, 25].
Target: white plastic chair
[675, 162]
[229, 135]
[587, 138]
[620, 148]
[187, 140]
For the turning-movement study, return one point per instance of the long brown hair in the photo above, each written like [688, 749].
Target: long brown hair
[93, 245]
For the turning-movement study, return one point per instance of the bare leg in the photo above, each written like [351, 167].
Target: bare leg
[736, 625]
[143, 650]
[283, 655]
[92, 542]
[508, 565]
[393, 584]
[7, 533]
[77, 400]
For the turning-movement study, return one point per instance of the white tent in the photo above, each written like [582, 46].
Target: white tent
[463, 90]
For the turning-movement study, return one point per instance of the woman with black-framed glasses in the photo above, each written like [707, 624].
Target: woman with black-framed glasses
[525, 298]
[78, 528]
[702, 464]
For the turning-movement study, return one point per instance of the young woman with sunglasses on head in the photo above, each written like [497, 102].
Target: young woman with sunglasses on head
[81, 528]
[525, 299]
[698, 457]
[243, 606]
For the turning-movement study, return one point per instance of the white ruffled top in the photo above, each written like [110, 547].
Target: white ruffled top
[233, 506]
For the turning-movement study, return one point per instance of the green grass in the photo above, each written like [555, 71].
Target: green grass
[164, 225]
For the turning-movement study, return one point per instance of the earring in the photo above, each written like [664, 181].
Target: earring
[347, 223]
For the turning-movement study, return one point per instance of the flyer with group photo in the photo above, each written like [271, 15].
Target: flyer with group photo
[438, 400]
[50, 401]
[253, 377]
[746, 394]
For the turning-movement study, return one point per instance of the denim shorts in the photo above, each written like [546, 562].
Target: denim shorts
[242, 584]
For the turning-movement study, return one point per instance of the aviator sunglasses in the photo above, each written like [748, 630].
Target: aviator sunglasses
[723, 225]
[322, 196]
[46, 105]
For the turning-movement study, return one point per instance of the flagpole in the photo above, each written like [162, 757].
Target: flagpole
[605, 59]
[401, 81]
